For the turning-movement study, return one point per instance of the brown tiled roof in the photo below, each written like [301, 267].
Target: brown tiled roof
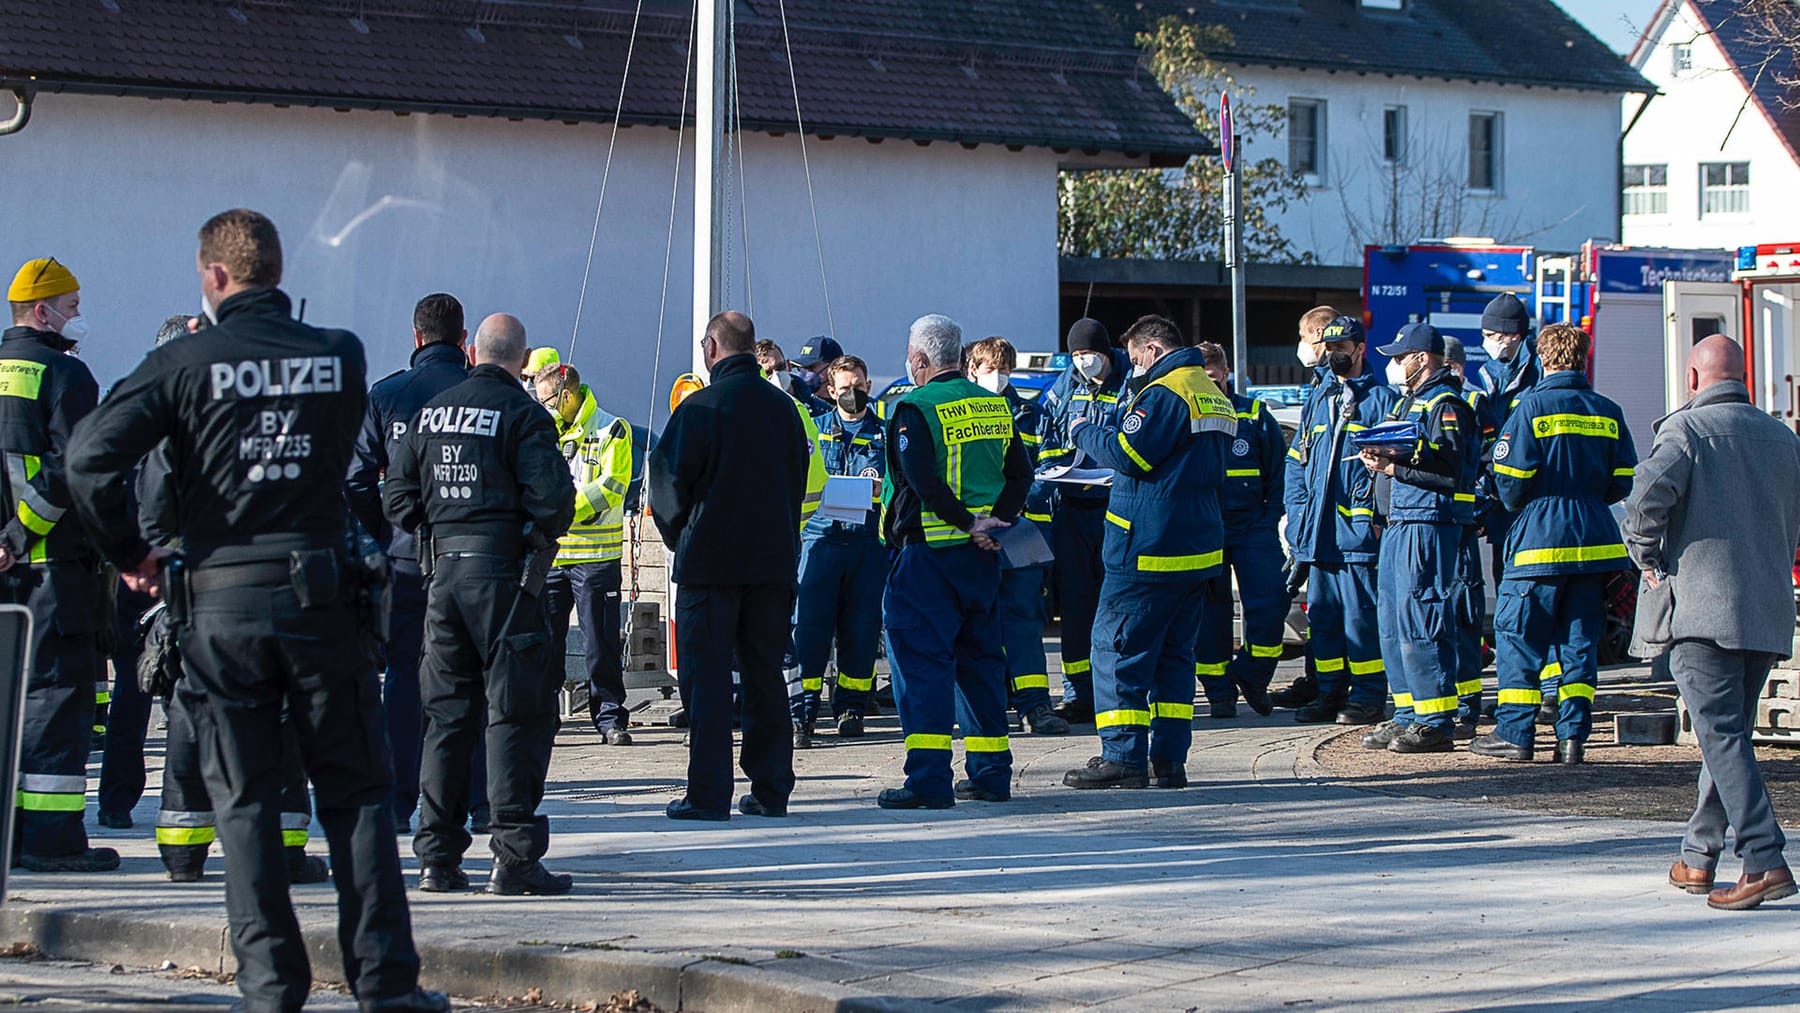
[1039, 73]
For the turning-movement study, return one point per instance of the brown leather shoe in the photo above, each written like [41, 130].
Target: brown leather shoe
[1753, 889]
[1683, 876]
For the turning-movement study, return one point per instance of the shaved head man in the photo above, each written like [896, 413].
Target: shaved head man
[500, 340]
[1714, 359]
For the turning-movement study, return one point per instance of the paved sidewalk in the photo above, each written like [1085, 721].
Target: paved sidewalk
[1262, 886]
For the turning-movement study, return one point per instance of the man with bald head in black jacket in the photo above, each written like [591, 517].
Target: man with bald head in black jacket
[733, 459]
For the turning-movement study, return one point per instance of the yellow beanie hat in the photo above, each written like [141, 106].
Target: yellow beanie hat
[541, 359]
[43, 278]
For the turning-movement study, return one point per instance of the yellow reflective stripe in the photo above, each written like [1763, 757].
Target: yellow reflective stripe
[1139, 461]
[1209, 668]
[1356, 511]
[33, 464]
[293, 838]
[1039, 518]
[1367, 667]
[1468, 687]
[1122, 718]
[1435, 705]
[1530, 697]
[1515, 472]
[1328, 664]
[812, 685]
[1570, 554]
[1264, 651]
[1241, 472]
[1030, 440]
[1624, 472]
[52, 802]
[1031, 682]
[1575, 425]
[102, 696]
[1177, 711]
[847, 682]
[35, 523]
[1580, 689]
[1551, 671]
[1294, 452]
[1403, 699]
[1465, 497]
[919, 741]
[985, 743]
[1120, 521]
[185, 835]
[1180, 564]
[584, 507]
[1077, 667]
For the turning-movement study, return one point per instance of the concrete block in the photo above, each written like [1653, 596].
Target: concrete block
[1645, 729]
[145, 942]
[1782, 685]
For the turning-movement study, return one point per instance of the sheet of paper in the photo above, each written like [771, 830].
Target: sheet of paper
[847, 498]
[1076, 476]
[1024, 545]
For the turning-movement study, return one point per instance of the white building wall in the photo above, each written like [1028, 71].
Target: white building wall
[1695, 121]
[1558, 170]
[377, 210]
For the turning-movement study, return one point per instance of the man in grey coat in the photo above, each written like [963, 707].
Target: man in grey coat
[1718, 599]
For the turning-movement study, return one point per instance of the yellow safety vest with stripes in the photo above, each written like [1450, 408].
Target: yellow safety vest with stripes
[43, 391]
[598, 449]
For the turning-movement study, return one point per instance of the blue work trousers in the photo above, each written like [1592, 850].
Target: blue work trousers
[1346, 639]
[942, 612]
[1547, 629]
[1022, 619]
[1076, 536]
[1254, 556]
[1143, 665]
[1471, 606]
[840, 597]
[1418, 575]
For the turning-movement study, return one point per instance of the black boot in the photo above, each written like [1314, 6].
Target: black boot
[1323, 710]
[91, 860]
[1304, 691]
[186, 863]
[1256, 696]
[1167, 774]
[1103, 773]
[1569, 752]
[968, 791]
[850, 725]
[521, 880]
[305, 869]
[442, 878]
[1422, 739]
[1493, 745]
[1381, 735]
[803, 733]
[1362, 714]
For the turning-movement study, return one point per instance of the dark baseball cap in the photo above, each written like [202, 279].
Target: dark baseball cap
[1344, 328]
[1415, 337]
[817, 350]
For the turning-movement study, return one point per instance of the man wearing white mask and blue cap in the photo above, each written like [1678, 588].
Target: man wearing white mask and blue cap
[1426, 493]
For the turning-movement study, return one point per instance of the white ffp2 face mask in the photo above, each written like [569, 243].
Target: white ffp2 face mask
[1089, 364]
[1308, 354]
[74, 328]
[993, 383]
[1501, 350]
[1396, 374]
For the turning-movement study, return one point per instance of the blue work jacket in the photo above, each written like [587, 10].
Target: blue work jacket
[1071, 396]
[1435, 484]
[1330, 495]
[1255, 469]
[850, 448]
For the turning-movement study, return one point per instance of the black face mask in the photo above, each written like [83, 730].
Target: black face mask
[1339, 362]
[853, 401]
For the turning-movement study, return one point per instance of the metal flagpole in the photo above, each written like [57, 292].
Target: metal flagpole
[709, 167]
[1234, 245]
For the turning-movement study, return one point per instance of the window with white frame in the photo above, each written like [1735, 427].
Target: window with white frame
[1681, 59]
[1644, 190]
[1484, 152]
[1393, 134]
[1724, 188]
[1306, 139]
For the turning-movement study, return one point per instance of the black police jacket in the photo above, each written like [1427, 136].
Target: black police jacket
[260, 412]
[481, 458]
[394, 402]
[727, 478]
[44, 392]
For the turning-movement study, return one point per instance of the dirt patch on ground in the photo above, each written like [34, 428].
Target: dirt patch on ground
[1632, 782]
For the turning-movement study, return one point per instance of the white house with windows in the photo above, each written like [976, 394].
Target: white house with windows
[1428, 118]
[1713, 159]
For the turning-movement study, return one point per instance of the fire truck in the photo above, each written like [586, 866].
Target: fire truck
[1759, 305]
[1636, 303]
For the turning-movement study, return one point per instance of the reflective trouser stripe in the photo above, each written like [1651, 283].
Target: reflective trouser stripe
[177, 818]
[1403, 699]
[1077, 667]
[1367, 667]
[1580, 689]
[846, 682]
[1128, 718]
[1435, 705]
[986, 743]
[1260, 651]
[186, 835]
[1531, 697]
[1209, 667]
[1178, 711]
[918, 741]
[293, 838]
[1551, 671]
[813, 685]
[102, 697]
[52, 802]
[1031, 682]
[1328, 664]
[1469, 688]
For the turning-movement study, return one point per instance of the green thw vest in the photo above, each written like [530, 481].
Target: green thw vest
[971, 431]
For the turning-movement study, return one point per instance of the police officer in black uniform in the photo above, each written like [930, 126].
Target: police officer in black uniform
[50, 566]
[260, 412]
[481, 479]
[439, 363]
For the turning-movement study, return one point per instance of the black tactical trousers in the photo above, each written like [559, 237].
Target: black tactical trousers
[485, 639]
[128, 720]
[246, 653]
[186, 824]
[59, 707]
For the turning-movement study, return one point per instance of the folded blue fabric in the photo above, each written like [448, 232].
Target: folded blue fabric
[1388, 434]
